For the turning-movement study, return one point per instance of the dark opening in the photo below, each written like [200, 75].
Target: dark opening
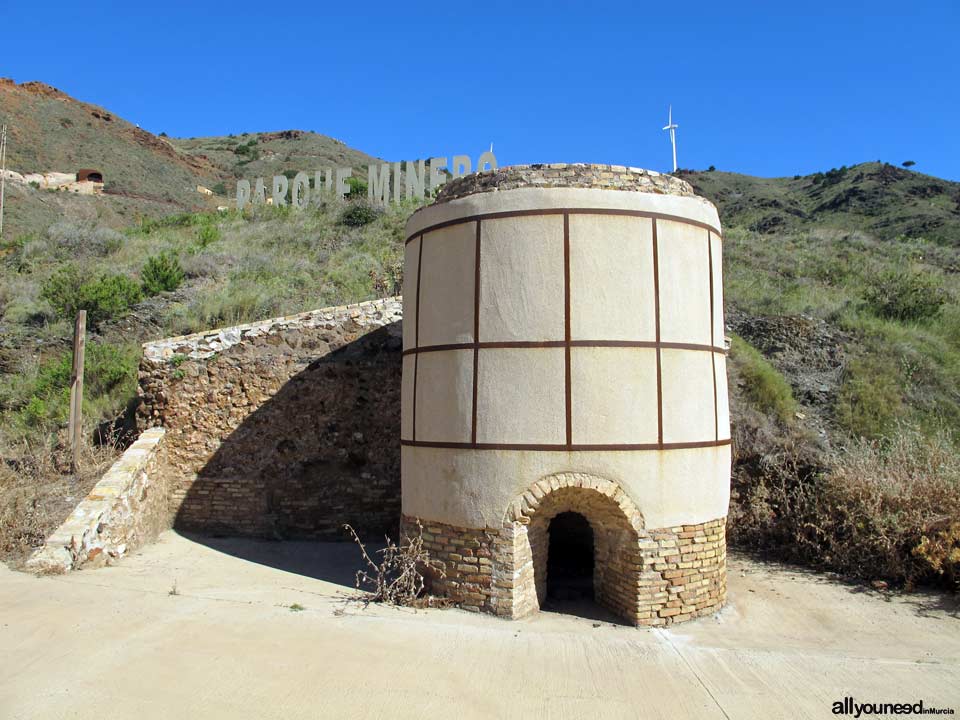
[95, 177]
[570, 559]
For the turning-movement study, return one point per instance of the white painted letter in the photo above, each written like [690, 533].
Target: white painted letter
[487, 157]
[243, 193]
[378, 184]
[461, 166]
[259, 193]
[301, 190]
[396, 182]
[280, 187]
[415, 178]
[342, 174]
[437, 178]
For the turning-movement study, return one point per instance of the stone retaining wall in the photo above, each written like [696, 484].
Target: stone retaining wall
[125, 510]
[285, 428]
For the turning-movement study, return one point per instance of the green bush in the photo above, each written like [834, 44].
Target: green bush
[161, 273]
[103, 297]
[870, 399]
[207, 234]
[109, 380]
[358, 215]
[905, 296]
[358, 188]
[220, 188]
[765, 387]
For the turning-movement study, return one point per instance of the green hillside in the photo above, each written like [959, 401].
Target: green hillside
[147, 176]
[876, 198]
[266, 154]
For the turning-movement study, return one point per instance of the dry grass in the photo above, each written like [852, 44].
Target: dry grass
[38, 492]
[877, 510]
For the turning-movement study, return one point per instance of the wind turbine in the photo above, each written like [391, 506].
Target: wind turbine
[672, 127]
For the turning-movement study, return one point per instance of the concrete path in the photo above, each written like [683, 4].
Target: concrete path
[117, 643]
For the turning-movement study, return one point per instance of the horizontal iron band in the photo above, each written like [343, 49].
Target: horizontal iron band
[562, 344]
[565, 211]
[561, 447]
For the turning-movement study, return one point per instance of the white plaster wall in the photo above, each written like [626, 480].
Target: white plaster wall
[446, 285]
[521, 396]
[620, 251]
[521, 279]
[406, 398]
[718, 326]
[474, 488]
[723, 400]
[687, 386]
[411, 264]
[613, 395]
[684, 283]
[445, 396]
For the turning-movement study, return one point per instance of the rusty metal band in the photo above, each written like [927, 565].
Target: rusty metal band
[416, 339]
[564, 211]
[656, 315]
[713, 359]
[526, 344]
[476, 335]
[567, 382]
[563, 447]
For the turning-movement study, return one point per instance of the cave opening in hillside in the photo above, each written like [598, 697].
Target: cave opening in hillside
[570, 559]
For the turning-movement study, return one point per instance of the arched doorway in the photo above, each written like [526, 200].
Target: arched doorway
[574, 536]
[570, 559]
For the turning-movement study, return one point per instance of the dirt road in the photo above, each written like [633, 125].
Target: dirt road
[187, 629]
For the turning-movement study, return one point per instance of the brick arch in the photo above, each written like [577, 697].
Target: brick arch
[618, 529]
[525, 506]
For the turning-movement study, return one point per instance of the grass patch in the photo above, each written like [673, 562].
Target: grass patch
[764, 386]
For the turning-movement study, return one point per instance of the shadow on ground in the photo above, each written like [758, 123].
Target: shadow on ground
[322, 452]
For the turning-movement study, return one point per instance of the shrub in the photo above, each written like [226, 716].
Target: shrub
[883, 510]
[161, 273]
[358, 188]
[104, 297]
[870, 399]
[905, 296]
[109, 377]
[220, 188]
[207, 234]
[358, 215]
[765, 387]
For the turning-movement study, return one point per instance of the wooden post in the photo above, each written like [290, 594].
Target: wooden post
[76, 387]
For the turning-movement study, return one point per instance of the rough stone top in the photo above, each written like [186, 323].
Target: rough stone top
[566, 175]
[200, 346]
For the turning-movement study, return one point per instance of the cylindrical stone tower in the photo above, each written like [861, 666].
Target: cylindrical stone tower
[564, 354]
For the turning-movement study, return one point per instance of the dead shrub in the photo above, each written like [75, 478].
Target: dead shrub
[876, 510]
[38, 491]
[398, 578]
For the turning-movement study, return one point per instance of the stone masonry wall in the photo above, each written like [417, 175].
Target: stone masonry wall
[126, 509]
[668, 575]
[285, 428]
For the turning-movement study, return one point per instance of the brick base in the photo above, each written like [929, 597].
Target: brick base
[647, 577]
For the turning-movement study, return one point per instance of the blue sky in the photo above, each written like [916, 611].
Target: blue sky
[765, 88]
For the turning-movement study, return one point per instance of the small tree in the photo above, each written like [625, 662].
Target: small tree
[161, 273]
[908, 163]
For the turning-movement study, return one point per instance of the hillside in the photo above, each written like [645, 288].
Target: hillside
[266, 154]
[876, 198]
[146, 176]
